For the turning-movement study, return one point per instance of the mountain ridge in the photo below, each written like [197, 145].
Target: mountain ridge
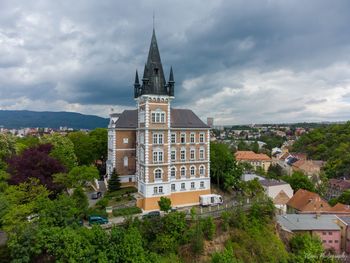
[15, 119]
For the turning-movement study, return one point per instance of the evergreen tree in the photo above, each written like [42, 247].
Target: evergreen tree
[114, 182]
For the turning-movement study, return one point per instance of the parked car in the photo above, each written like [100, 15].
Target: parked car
[97, 220]
[96, 195]
[152, 214]
[211, 199]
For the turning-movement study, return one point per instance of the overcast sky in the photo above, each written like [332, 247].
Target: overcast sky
[237, 61]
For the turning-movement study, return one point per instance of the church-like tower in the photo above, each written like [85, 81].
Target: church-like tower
[153, 100]
[158, 149]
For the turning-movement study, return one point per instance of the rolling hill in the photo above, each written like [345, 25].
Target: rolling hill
[15, 119]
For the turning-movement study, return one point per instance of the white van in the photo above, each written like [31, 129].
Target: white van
[211, 199]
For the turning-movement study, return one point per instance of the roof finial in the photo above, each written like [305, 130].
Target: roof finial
[153, 19]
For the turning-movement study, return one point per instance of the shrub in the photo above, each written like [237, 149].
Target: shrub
[208, 227]
[127, 211]
[96, 212]
[102, 203]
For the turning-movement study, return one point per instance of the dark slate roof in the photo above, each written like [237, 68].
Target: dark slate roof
[271, 182]
[128, 119]
[180, 118]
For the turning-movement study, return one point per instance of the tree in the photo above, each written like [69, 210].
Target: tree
[275, 171]
[164, 204]
[299, 181]
[114, 182]
[80, 199]
[197, 239]
[306, 248]
[208, 227]
[255, 147]
[79, 176]
[344, 198]
[83, 147]
[63, 150]
[99, 137]
[7, 148]
[35, 162]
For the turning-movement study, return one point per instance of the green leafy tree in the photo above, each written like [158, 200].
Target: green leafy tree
[275, 171]
[81, 200]
[175, 225]
[99, 138]
[299, 181]
[114, 182]
[63, 149]
[164, 204]
[83, 147]
[7, 148]
[306, 248]
[255, 147]
[208, 227]
[197, 239]
[77, 177]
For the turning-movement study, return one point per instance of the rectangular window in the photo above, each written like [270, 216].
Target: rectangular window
[192, 185]
[173, 137]
[158, 117]
[160, 157]
[201, 154]
[126, 161]
[182, 186]
[192, 154]
[125, 140]
[157, 157]
[160, 189]
[173, 189]
[155, 138]
[183, 137]
[192, 138]
[201, 137]
[330, 233]
[336, 241]
[155, 190]
[158, 138]
[201, 184]
[153, 117]
[173, 155]
[183, 155]
[330, 241]
[162, 117]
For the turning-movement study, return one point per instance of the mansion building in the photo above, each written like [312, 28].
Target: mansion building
[158, 149]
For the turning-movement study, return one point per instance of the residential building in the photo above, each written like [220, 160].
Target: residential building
[336, 187]
[306, 202]
[161, 150]
[254, 159]
[344, 224]
[311, 168]
[323, 226]
[279, 191]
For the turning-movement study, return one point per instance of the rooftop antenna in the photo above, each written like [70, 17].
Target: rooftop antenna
[153, 19]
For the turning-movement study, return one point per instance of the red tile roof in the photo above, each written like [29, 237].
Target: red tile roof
[251, 156]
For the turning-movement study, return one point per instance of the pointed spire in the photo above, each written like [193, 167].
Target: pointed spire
[137, 78]
[171, 76]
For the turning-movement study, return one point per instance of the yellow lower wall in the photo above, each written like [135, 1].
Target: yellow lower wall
[177, 199]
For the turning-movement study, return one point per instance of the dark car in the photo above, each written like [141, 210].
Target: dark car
[97, 220]
[96, 195]
[152, 214]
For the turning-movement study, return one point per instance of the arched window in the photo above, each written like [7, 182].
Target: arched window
[173, 172]
[192, 171]
[202, 170]
[158, 174]
[183, 171]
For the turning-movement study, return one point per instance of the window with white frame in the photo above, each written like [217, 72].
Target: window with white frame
[173, 172]
[158, 138]
[183, 137]
[126, 161]
[173, 155]
[173, 137]
[158, 116]
[155, 190]
[201, 137]
[160, 189]
[142, 154]
[201, 153]
[183, 171]
[183, 155]
[192, 137]
[183, 186]
[193, 171]
[157, 156]
[173, 187]
[125, 140]
[192, 154]
[201, 184]
[142, 116]
[192, 185]
[142, 138]
[158, 174]
[202, 170]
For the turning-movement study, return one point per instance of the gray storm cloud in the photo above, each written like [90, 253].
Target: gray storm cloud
[238, 61]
